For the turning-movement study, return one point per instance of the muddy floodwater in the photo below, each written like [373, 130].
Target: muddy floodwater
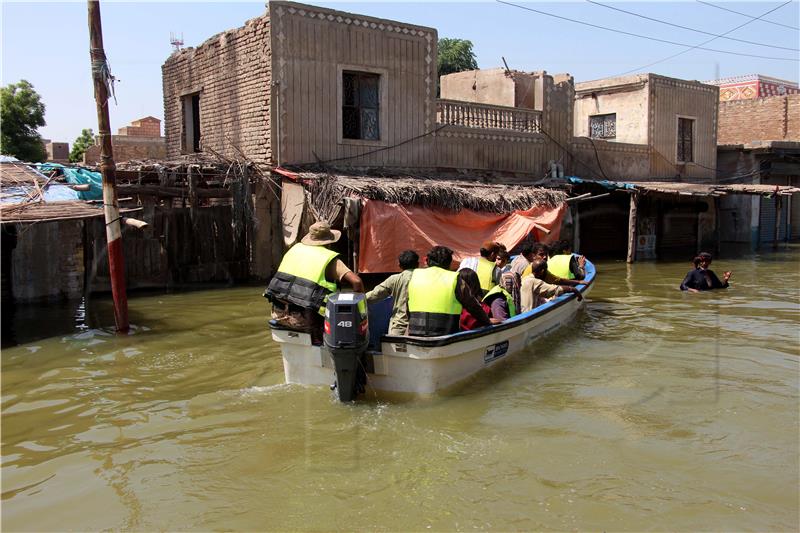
[655, 410]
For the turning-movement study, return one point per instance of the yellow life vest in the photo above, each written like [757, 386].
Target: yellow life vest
[558, 265]
[497, 289]
[433, 309]
[301, 277]
[485, 272]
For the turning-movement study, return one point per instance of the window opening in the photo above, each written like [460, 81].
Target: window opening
[685, 140]
[360, 98]
[191, 123]
[603, 126]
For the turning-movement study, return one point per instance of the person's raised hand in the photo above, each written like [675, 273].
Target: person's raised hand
[726, 276]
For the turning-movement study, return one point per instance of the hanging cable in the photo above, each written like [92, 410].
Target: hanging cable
[699, 46]
[622, 32]
[749, 16]
[722, 36]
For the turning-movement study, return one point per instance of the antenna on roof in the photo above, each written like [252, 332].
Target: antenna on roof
[175, 41]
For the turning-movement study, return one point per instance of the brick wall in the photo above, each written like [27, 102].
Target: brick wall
[127, 148]
[774, 118]
[145, 130]
[231, 72]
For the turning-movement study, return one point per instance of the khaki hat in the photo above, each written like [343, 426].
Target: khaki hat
[320, 234]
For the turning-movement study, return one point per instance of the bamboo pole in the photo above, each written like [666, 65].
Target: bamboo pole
[632, 228]
[116, 259]
[777, 221]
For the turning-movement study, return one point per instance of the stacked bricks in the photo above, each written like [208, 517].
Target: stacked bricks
[232, 74]
[144, 127]
[775, 118]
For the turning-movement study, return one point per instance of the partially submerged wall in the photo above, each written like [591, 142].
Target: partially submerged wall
[47, 261]
[231, 72]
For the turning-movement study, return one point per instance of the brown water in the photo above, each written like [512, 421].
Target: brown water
[656, 410]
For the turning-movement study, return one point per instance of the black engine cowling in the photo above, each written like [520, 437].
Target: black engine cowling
[346, 337]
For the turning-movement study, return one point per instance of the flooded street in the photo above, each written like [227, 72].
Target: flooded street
[656, 410]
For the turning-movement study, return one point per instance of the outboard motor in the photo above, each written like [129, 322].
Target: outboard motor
[346, 336]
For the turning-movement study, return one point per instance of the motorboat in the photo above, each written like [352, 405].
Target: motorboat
[407, 364]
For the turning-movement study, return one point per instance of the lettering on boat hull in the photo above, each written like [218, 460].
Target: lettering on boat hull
[495, 351]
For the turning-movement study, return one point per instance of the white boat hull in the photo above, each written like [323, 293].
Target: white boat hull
[427, 365]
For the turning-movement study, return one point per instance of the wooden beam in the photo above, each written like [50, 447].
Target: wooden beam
[632, 214]
[777, 228]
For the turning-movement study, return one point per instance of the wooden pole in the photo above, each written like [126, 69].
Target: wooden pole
[101, 77]
[777, 220]
[632, 228]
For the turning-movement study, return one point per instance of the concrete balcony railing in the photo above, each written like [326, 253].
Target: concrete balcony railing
[487, 116]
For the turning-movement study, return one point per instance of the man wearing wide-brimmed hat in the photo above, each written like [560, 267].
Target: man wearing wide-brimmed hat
[308, 273]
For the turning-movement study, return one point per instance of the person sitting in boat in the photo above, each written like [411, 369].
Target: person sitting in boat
[501, 304]
[437, 295]
[564, 264]
[541, 252]
[396, 286]
[488, 273]
[468, 321]
[308, 273]
[535, 290]
[701, 278]
[502, 260]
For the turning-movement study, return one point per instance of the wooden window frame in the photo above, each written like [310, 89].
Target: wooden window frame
[383, 104]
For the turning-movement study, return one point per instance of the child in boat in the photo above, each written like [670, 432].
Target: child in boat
[701, 278]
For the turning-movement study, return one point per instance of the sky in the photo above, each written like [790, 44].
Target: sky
[47, 43]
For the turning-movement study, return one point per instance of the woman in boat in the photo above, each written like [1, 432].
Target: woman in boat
[468, 320]
[701, 278]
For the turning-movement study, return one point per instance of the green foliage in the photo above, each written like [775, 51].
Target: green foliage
[455, 55]
[21, 113]
[84, 141]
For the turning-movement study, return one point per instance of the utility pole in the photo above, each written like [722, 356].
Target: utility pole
[102, 79]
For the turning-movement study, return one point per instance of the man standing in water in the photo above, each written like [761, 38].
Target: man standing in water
[703, 278]
[308, 273]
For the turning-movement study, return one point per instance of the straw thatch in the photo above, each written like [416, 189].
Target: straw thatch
[327, 190]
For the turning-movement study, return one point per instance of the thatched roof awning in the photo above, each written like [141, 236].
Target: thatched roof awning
[454, 195]
[35, 212]
[690, 189]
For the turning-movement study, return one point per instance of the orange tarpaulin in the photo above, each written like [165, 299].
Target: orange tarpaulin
[388, 229]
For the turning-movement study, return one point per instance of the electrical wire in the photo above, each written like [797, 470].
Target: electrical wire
[382, 148]
[699, 47]
[723, 36]
[749, 16]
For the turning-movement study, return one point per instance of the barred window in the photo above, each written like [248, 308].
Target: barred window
[603, 126]
[360, 103]
[685, 140]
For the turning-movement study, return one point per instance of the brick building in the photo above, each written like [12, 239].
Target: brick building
[774, 118]
[144, 127]
[140, 140]
[57, 152]
[751, 86]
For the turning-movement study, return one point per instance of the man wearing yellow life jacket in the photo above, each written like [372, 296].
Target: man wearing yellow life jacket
[437, 295]
[563, 264]
[308, 273]
[485, 265]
